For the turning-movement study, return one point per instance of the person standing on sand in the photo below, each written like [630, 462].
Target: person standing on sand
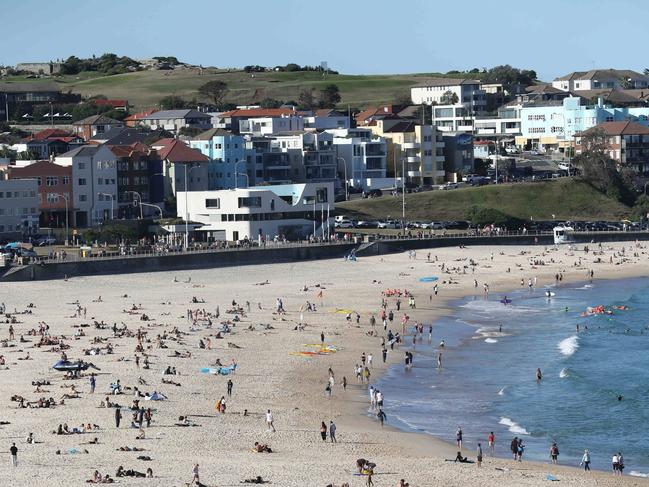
[384, 353]
[332, 432]
[323, 431]
[344, 383]
[14, 455]
[514, 447]
[195, 476]
[458, 437]
[381, 417]
[93, 383]
[554, 453]
[229, 391]
[479, 455]
[269, 420]
[585, 461]
[492, 442]
[118, 417]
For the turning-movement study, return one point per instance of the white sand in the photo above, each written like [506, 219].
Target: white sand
[267, 376]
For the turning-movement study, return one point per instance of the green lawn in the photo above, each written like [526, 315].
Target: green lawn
[145, 88]
[565, 199]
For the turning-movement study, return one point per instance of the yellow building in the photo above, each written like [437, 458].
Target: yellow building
[417, 150]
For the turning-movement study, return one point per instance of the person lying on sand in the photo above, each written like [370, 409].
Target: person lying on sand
[262, 448]
[257, 480]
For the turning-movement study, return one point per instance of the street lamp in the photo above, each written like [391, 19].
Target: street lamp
[139, 197]
[247, 178]
[495, 143]
[111, 203]
[236, 174]
[66, 198]
[346, 180]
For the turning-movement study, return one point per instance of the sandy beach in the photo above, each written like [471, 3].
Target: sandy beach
[268, 376]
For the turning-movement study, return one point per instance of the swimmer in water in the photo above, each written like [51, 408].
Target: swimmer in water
[539, 375]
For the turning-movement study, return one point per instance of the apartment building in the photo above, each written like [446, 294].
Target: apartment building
[19, 213]
[54, 186]
[94, 183]
[624, 79]
[418, 149]
[364, 157]
[554, 125]
[451, 91]
[224, 150]
[627, 143]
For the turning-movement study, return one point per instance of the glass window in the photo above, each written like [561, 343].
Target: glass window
[213, 203]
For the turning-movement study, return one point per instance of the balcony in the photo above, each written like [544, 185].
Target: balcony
[410, 145]
[414, 174]
[415, 159]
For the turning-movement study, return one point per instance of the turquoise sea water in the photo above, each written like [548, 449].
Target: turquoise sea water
[487, 382]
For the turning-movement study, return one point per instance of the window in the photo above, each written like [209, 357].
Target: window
[250, 202]
[82, 165]
[321, 195]
[52, 198]
[32, 194]
[83, 197]
[40, 181]
[213, 203]
[82, 181]
[51, 181]
[100, 181]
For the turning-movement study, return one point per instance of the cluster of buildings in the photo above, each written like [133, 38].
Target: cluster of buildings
[257, 172]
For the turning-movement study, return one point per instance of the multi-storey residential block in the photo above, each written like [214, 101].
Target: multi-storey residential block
[18, 208]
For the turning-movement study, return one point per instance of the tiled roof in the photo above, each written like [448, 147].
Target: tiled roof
[620, 128]
[171, 114]
[178, 151]
[97, 120]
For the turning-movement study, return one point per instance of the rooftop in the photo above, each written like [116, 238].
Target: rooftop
[98, 120]
[447, 82]
[170, 114]
[620, 128]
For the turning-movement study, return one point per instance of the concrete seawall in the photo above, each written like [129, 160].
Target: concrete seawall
[255, 256]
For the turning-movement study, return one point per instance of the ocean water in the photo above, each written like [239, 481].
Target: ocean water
[488, 378]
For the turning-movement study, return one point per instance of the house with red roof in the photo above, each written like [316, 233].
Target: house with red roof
[48, 143]
[183, 168]
[135, 119]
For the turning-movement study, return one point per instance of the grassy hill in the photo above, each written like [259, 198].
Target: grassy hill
[145, 88]
[565, 198]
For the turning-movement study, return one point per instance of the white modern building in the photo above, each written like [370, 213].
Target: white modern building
[260, 213]
[449, 91]
[453, 118]
[271, 125]
[94, 183]
[19, 214]
[364, 157]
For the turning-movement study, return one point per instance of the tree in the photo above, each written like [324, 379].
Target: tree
[214, 90]
[172, 102]
[449, 98]
[329, 96]
[490, 216]
[509, 76]
[306, 101]
[270, 103]
[599, 170]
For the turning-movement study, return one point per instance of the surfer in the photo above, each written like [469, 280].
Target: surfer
[539, 375]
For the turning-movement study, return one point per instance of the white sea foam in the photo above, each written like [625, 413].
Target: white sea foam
[563, 373]
[633, 473]
[491, 340]
[501, 392]
[569, 345]
[513, 426]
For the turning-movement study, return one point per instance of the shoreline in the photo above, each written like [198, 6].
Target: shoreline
[445, 309]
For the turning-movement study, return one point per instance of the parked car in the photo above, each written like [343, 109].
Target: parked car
[45, 240]
[449, 185]
[366, 224]
[391, 224]
[343, 223]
